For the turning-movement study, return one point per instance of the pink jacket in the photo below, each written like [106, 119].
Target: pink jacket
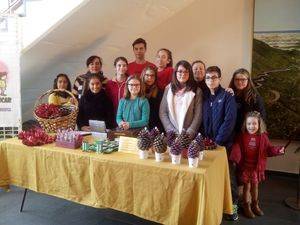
[265, 150]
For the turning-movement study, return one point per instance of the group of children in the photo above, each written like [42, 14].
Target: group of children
[187, 97]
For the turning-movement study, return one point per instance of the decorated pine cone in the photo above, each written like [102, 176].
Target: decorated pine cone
[144, 140]
[176, 147]
[185, 139]
[154, 133]
[193, 150]
[171, 136]
[143, 132]
[200, 141]
[160, 145]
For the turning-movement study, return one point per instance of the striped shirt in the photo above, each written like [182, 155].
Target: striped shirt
[80, 84]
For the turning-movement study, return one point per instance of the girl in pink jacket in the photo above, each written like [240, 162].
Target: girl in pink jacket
[250, 152]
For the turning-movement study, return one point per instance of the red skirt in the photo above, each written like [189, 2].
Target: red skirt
[251, 176]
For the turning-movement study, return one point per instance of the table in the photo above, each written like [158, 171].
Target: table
[161, 192]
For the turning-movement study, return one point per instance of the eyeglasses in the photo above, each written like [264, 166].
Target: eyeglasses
[133, 85]
[211, 78]
[240, 80]
[181, 71]
[149, 75]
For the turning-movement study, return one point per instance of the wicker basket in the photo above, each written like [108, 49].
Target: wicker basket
[64, 122]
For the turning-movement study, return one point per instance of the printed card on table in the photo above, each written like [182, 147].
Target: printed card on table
[128, 144]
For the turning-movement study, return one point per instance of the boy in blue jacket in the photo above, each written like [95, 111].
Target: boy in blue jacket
[219, 117]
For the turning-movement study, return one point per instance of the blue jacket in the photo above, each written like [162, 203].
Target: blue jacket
[135, 112]
[219, 117]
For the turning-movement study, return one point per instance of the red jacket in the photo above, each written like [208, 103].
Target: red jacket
[164, 77]
[136, 69]
[115, 91]
[265, 149]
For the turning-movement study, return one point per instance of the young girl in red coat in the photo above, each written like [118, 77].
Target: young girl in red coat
[250, 152]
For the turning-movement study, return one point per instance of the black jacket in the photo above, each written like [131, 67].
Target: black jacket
[154, 120]
[95, 107]
[243, 108]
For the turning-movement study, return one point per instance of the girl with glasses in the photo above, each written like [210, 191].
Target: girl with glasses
[246, 96]
[133, 110]
[154, 96]
[181, 106]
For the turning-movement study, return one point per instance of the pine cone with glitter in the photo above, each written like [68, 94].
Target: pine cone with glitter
[200, 141]
[171, 136]
[176, 147]
[160, 145]
[184, 139]
[193, 150]
[143, 132]
[144, 140]
[154, 133]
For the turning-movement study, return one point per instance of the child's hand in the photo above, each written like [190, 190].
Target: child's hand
[282, 150]
[230, 90]
[126, 126]
[86, 128]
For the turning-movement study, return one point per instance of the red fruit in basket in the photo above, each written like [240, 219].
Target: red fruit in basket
[47, 111]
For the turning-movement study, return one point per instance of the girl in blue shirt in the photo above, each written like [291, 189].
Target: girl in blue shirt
[133, 110]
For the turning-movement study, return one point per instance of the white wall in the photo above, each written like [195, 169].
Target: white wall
[42, 15]
[217, 32]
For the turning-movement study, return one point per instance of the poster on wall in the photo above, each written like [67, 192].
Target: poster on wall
[276, 65]
[10, 98]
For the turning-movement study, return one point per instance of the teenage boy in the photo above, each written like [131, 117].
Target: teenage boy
[139, 49]
[219, 117]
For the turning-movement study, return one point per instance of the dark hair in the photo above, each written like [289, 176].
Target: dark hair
[67, 78]
[62, 94]
[199, 61]
[169, 53]
[139, 41]
[93, 76]
[262, 126]
[249, 93]
[190, 84]
[127, 92]
[143, 74]
[215, 69]
[120, 58]
[92, 58]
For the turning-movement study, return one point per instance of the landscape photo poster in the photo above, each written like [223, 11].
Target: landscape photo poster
[276, 64]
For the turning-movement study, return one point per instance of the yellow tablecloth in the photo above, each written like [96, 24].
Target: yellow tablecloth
[161, 192]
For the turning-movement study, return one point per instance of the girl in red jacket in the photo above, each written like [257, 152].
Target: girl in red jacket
[116, 86]
[164, 63]
[250, 152]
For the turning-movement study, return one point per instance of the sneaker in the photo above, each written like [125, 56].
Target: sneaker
[234, 216]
